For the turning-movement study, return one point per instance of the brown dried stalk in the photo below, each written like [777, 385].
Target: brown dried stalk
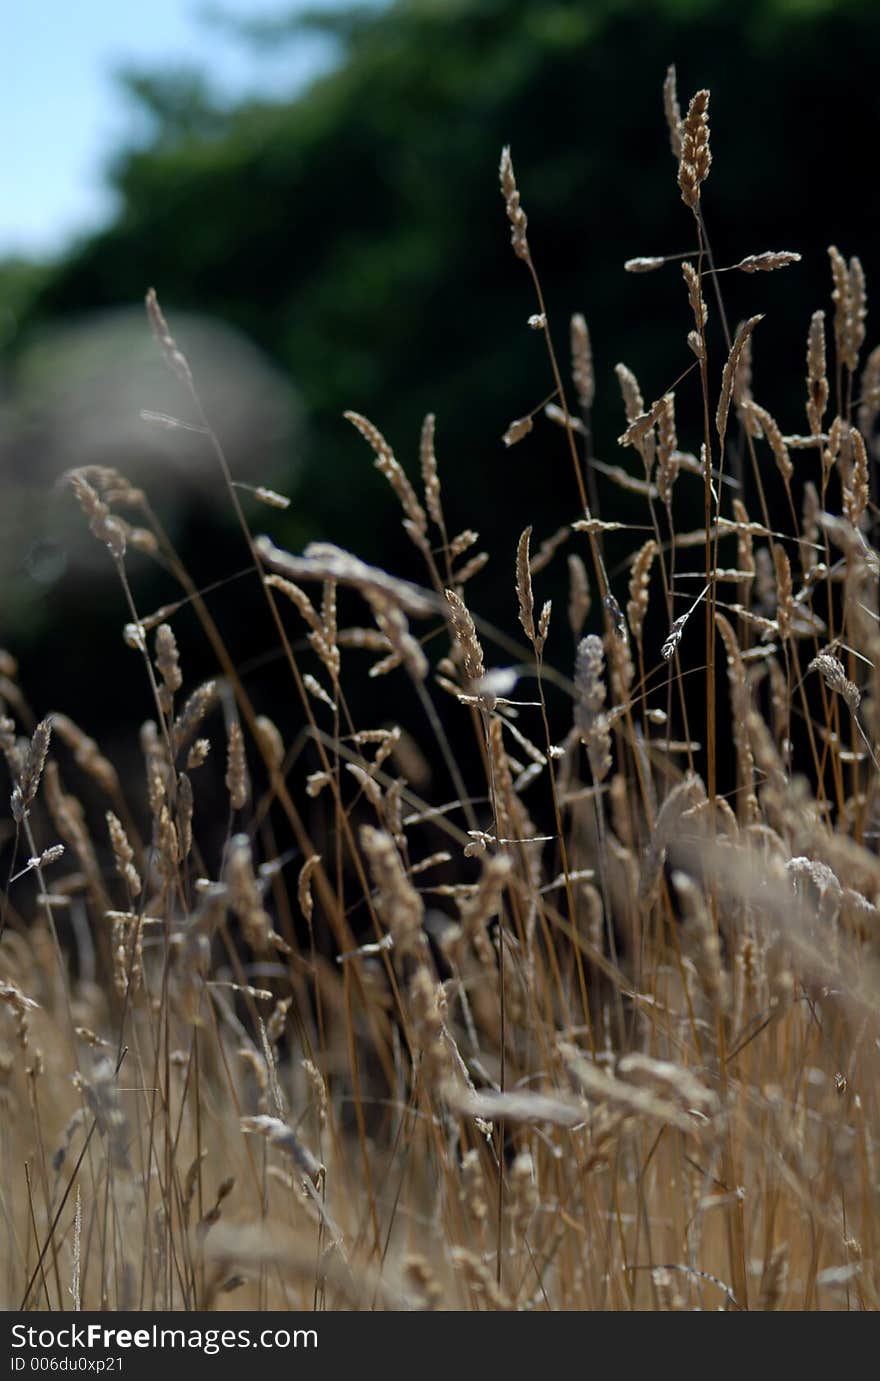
[582, 372]
[324, 561]
[123, 854]
[388, 465]
[857, 485]
[850, 307]
[728, 378]
[784, 592]
[25, 790]
[579, 594]
[668, 455]
[236, 768]
[817, 381]
[520, 427]
[166, 342]
[397, 902]
[639, 583]
[695, 158]
[430, 471]
[644, 263]
[304, 886]
[633, 402]
[695, 296]
[590, 718]
[524, 586]
[774, 437]
[672, 111]
[465, 635]
[515, 214]
[768, 261]
[836, 679]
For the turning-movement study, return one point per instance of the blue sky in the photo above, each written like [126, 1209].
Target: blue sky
[62, 114]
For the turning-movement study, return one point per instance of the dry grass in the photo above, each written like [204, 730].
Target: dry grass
[599, 1033]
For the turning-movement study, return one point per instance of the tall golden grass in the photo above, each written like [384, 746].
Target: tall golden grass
[601, 1031]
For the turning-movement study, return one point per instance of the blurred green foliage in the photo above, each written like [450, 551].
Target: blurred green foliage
[358, 235]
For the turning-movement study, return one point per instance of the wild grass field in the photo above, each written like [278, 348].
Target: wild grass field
[581, 1016]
